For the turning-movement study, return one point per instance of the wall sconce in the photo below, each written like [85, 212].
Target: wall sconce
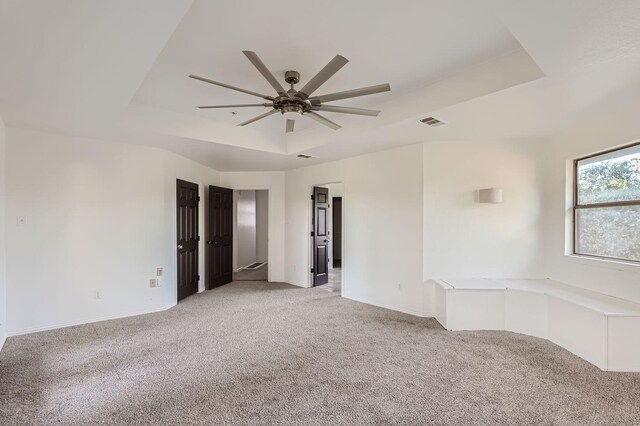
[490, 195]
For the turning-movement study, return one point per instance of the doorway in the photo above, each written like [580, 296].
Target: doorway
[337, 232]
[251, 236]
[187, 238]
[327, 227]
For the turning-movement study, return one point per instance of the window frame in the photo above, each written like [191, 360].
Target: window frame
[577, 206]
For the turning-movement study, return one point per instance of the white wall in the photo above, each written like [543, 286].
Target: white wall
[335, 189]
[262, 225]
[463, 238]
[526, 235]
[382, 226]
[275, 183]
[605, 132]
[3, 264]
[246, 227]
[99, 216]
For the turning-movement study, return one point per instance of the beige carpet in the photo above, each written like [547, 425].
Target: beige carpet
[258, 353]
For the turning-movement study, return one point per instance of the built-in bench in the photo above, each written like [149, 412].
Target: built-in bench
[601, 329]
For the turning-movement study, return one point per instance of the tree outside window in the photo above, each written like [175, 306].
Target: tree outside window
[607, 204]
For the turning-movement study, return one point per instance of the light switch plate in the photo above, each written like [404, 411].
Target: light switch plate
[153, 283]
[159, 272]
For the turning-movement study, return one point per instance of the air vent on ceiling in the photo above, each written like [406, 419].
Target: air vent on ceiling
[434, 122]
[306, 156]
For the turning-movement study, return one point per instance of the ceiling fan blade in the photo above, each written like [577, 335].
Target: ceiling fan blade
[322, 120]
[290, 124]
[234, 106]
[346, 110]
[249, 92]
[261, 116]
[325, 74]
[255, 60]
[350, 94]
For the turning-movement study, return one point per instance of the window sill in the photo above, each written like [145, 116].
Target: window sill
[619, 265]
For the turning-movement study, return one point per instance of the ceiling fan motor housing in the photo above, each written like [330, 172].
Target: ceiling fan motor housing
[292, 77]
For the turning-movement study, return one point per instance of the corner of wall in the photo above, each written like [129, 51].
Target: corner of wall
[79, 170]
[617, 128]
[3, 277]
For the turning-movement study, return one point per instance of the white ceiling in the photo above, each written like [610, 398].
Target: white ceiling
[74, 65]
[494, 69]
[405, 43]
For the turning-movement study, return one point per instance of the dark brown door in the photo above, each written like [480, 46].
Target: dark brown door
[337, 232]
[220, 237]
[320, 236]
[187, 238]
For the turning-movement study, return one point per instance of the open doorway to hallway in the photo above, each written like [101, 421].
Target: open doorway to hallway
[251, 242]
[326, 237]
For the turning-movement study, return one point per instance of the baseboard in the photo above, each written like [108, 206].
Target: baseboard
[415, 313]
[3, 337]
[87, 321]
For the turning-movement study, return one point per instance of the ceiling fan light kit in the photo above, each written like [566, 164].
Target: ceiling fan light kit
[294, 103]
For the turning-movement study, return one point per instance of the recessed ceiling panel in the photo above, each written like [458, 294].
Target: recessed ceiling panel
[408, 43]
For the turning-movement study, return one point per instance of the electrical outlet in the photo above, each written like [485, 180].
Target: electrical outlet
[159, 272]
[153, 283]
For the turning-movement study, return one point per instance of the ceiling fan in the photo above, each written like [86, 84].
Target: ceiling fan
[293, 103]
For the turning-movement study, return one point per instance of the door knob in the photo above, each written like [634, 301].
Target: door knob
[180, 247]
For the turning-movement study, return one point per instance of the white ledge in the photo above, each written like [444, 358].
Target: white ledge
[599, 262]
[599, 328]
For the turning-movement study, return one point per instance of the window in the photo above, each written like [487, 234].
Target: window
[607, 204]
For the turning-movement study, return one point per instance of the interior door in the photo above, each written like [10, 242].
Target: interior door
[320, 236]
[187, 238]
[219, 252]
[337, 232]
